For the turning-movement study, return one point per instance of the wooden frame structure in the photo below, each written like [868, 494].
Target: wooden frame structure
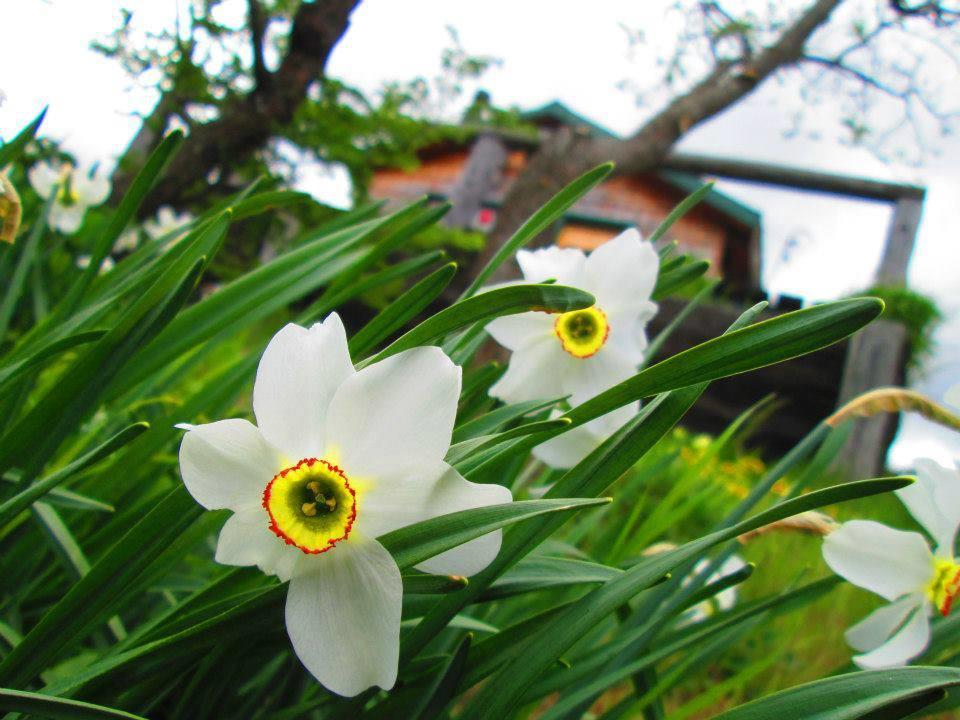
[876, 355]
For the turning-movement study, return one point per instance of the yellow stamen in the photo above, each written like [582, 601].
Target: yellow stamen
[311, 505]
[945, 585]
[582, 332]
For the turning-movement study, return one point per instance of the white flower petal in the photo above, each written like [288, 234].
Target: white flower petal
[873, 556]
[912, 640]
[245, 539]
[877, 627]
[590, 376]
[628, 330]
[622, 272]
[66, 218]
[568, 449]
[91, 190]
[536, 372]
[515, 331]
[227, 464]
[934, 501]
[565, 265]
[726, 599]
[395, 415]
[44, 178]
[343, 616]
[399, 502]
[299, 373]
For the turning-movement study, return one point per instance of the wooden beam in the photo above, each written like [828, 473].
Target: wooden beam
[478, 179]
[901, 238]
[791, 177]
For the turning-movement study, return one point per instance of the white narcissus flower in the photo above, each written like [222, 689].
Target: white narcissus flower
[167, 221]
[75, 192]
[83, 262]
[723, 600]
[338, 457]
[583, 352]
[901, 568]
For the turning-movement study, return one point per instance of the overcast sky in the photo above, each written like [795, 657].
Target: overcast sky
[575, 55]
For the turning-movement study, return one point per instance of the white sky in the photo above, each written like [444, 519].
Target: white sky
[549, 52]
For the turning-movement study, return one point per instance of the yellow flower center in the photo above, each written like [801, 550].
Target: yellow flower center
[66, 194]
[311, 505]
[582, 332]
[945, 585]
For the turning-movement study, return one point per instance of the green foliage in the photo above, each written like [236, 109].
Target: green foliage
[917, 312]
[112, 604]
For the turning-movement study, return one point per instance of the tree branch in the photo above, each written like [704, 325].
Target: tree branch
[258, 27]
[562, 158]
[246, 125]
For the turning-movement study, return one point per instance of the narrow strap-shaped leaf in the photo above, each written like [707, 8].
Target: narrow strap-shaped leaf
[418, 542]
[765, 343]
[507, 687]
[854, 696]
[28, 255]
[92, 598]
[144, 181]
[22, 500]
[540, 221]
[402, 310]
[685, 206]
[486, 306]
[10, 151]
[58, 708]
[496, 419]
[11, 372]
[676, 279]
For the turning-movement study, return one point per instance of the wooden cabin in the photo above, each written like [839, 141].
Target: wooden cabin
[720, 229]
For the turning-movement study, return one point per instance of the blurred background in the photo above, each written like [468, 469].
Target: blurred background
[496, 105]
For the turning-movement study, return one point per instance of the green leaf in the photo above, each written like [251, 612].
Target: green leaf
[856, 696]
[402, 310]
[58, 708]
[13, 371]
[30, 441]
[418, 542]
[102, 591]
[423, 584]
[144, 181]
[540, 221]
[444, 688]
[492, 421]
[486, 306]
[265, 201]
[507, 687]
[765, 343]
[671, 281]
[589, 478]
[28, 254]
[543, 573]
[682, 209]
[10, 151]
[22, 500]
[247, 299]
